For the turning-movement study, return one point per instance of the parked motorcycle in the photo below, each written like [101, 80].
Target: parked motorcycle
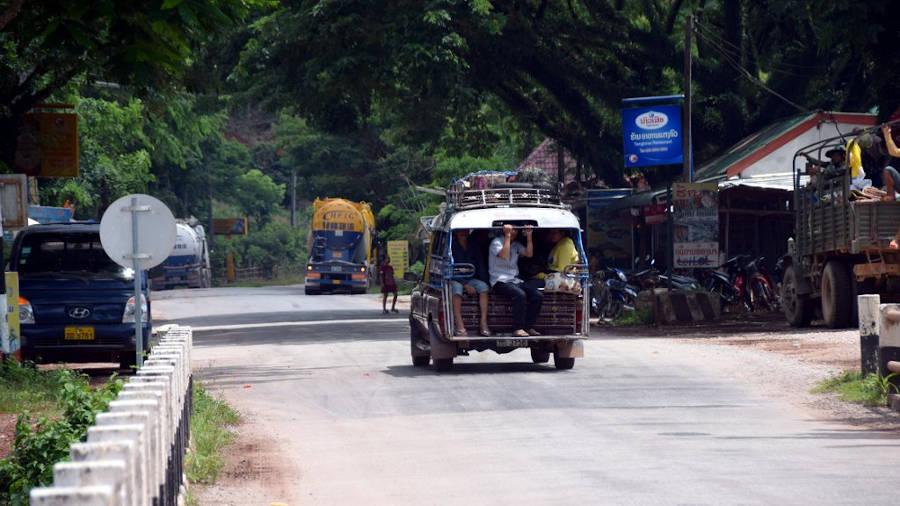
[611, 294]
[761, 288]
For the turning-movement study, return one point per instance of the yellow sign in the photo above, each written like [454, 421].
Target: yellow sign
[47, 145]
[12, 313]
[398, 253]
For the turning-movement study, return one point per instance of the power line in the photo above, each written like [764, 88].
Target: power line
[731, 60]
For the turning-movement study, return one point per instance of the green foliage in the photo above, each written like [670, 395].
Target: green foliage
[41, 443]
[258, 196]
[853, 386]
[633, 318]
[209, 434]
[23, 386]
[417, 268]
[275, 248]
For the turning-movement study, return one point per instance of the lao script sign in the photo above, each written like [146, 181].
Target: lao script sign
[652, 135]
[696, 225]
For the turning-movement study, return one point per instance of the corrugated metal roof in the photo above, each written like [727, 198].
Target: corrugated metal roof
[719, 166]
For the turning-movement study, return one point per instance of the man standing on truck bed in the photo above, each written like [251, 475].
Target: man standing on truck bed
[504, 271]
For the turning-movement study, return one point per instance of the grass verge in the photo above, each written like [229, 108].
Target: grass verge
[853, 386]
[288, 279]
[210, 433]
[23, 387]
[632, 318]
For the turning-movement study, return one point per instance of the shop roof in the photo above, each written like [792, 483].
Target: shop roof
[753, 150]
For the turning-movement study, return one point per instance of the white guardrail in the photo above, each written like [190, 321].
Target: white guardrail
[134, 454]
[879, 332]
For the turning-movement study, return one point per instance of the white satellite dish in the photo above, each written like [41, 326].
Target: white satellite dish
[154, 234]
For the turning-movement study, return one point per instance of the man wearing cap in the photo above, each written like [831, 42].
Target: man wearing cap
[830, 168]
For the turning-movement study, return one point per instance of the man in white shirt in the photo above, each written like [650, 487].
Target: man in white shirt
[504, 274]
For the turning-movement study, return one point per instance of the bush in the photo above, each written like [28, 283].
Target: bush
[40, 444]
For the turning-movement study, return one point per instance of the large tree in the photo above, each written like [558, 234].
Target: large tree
[145, 44]
[565, 65]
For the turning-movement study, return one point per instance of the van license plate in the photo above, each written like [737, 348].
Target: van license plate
[79, 334]
[512, 343]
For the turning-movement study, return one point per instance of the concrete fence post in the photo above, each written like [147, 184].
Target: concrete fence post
[134, 454]
[869, 323]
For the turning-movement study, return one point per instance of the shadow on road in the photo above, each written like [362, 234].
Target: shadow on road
[730, 325]
[409, 371]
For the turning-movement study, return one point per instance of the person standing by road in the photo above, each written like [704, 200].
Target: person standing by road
[504, 274]
[388, 285]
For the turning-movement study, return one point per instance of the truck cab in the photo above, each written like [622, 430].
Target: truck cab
[76, 304]
[340, 244]
[563, 319]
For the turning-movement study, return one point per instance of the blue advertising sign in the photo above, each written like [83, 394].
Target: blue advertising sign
[46, 214]
[652, 135]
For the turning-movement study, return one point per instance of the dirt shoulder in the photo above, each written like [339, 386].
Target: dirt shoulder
[775, 360]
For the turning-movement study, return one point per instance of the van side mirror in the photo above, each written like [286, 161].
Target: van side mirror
[410, 276]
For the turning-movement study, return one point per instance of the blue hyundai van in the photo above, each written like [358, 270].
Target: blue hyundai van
[76, 304]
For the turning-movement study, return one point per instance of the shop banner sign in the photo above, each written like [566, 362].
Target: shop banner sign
[652, 135]
[398, 255]
[47, 214]
[609, 229]
[47, 145]
[11, 343]
[696, 239]
[654, 214]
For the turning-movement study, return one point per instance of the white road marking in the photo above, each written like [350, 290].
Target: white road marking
[294, 324]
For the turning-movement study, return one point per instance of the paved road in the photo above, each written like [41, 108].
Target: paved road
[336, 414]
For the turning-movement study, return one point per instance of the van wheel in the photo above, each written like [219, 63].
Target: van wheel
[563, 363]
[837, 296]
[127, 361]
[539, 356]
[442, 364]
[419, 358]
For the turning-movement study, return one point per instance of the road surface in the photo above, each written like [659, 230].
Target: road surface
[334, 413]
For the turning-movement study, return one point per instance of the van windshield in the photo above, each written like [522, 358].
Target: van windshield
[74, 254]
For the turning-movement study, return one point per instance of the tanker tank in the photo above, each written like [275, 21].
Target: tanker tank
[188, 264]
[340, 245]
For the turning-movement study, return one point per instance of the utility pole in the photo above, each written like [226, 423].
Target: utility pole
[293, 198]
[687, 175]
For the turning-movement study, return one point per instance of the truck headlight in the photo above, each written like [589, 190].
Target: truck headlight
[26, 313]
[128, 315]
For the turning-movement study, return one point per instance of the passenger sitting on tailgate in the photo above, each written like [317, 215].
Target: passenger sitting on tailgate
[561, 254]
[504, 270]
[466, 250]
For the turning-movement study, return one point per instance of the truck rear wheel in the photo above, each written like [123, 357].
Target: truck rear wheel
[837, 295]
[797, 308]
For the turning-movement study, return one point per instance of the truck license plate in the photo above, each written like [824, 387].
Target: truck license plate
[335, 268]
[512, 343]
[79, 333]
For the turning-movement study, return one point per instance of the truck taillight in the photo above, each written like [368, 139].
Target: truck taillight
[313, 275]
[579, 319]
[357, 277]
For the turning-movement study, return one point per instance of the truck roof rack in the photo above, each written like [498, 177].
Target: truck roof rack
[462, 198]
